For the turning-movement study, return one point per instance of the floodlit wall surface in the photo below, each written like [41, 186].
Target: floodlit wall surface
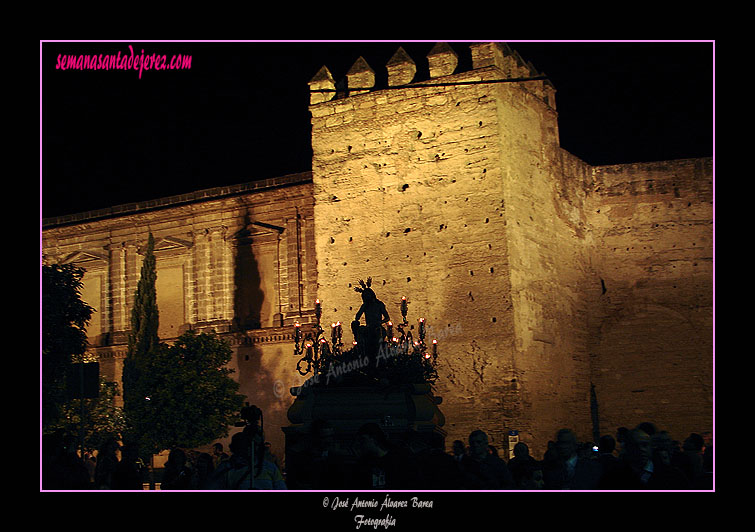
[651, 334]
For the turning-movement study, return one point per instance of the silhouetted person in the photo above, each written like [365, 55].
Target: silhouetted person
[63, 469]
[458, 450]
[91, 464]
[571, 472]
[270, 456]
[586, 450]
[707, 437]
[107, 462]
[666, 476]
[128, 473]
[316, 461]
[690, 459]
[177, 475]
[375, 314]
[705, 480]
[635, 466]
[606, 452]
[621, 436]
[483, 470]
[531, 476]
[218, 455]
[437, 469]
[521, 464]
[382, 465]
[247, 467]
[202, 473]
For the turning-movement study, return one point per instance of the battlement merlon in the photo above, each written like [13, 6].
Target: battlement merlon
[401, 68]
[511, 65]
[360, 77]
[442, 61]
[322, 81]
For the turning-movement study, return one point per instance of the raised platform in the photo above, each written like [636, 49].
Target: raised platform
[407, 413]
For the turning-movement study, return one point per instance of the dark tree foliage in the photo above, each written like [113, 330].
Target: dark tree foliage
[102, 418]
[64, 338]
[174, 396]
[143, 341]
[190, 398]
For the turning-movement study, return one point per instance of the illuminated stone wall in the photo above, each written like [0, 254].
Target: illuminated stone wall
[459, 197]
[651, 320]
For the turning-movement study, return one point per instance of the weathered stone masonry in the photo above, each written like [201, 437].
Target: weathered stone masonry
[552, 285]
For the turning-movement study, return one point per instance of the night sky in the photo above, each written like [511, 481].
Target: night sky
[240, 113]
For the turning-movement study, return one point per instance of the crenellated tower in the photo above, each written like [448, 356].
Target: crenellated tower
[442, 190]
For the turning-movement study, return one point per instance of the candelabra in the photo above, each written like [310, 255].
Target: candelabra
[315, 353]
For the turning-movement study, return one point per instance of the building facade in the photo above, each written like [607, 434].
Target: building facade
[561, 294]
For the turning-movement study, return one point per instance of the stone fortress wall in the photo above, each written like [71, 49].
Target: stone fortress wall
[560, 293]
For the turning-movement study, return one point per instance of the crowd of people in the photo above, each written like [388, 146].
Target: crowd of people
[642, 458]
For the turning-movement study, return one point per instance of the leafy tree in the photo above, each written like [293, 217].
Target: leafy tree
[102, 418]
[190, 397]
[64, 338]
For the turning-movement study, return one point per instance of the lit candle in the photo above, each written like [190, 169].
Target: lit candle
[318, 309]
[297, 329]
[390, 328]
[422, 328]
[435, 348]
[403, 307]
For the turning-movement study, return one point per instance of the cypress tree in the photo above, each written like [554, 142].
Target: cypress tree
[142, 342]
